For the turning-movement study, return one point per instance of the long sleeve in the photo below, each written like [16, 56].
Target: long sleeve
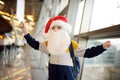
[32, 42]
[94, 51]
[89, 52]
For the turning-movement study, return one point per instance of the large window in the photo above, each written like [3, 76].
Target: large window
[104, 25]
[105, 13]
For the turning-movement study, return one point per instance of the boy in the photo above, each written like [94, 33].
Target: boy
[57, 32]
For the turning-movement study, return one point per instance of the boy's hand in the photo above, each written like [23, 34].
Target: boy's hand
[106, 44]
[22, 26]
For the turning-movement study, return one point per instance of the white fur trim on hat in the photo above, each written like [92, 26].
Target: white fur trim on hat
[62, 24]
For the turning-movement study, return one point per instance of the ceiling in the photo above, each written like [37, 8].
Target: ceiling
[32, 7]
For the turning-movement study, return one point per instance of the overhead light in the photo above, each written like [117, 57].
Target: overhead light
[1, 2]
[30, 17]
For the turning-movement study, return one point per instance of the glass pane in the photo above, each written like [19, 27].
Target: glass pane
[79, 17]
[105, 13]
[105, 66]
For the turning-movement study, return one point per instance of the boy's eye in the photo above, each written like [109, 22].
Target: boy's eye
[59, 27]
[53, 27]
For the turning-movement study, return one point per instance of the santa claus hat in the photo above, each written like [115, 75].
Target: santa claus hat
[57, 21]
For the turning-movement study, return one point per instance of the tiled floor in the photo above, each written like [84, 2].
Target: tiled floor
[13, 67]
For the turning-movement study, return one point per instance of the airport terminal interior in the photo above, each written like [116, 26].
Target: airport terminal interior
[93, 22]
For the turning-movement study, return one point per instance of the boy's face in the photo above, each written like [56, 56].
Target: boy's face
[58, 40]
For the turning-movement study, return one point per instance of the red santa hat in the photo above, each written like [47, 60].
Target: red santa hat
[57, 21]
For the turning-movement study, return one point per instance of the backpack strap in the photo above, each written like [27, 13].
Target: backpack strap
[71, 50]
[76, 63]
[72, 54]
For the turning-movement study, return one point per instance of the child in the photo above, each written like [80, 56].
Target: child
[57, 46]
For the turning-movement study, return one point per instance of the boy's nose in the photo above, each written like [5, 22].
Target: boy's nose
[56, 29]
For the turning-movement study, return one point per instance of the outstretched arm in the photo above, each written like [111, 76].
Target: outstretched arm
[95, 51]
[31, 41]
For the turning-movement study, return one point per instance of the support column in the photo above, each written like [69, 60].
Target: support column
[72, 13]
[84, 27]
